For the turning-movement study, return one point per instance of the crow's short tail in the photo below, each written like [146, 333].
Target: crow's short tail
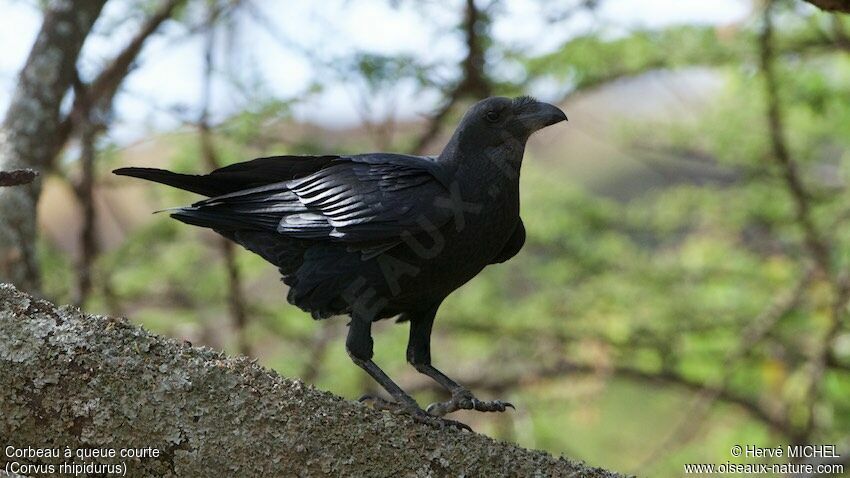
[235, 177]
[206, 185]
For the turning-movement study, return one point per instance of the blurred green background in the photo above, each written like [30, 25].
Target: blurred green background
[683, 287]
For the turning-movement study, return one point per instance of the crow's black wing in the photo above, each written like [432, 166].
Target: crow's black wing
[373, 200]
[367, 201]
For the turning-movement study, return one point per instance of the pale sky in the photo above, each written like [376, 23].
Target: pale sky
[170, 66]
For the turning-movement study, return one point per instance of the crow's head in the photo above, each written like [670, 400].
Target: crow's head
[495, 121]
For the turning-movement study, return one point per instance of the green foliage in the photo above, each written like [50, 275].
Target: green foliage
[249, 126]
[380, 72]
[58, 282]
[591, 60]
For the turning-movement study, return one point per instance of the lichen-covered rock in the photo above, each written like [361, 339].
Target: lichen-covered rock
[72, 382]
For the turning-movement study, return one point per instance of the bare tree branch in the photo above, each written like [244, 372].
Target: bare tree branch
[89, 130]
[76, 380]
[84, 190]
[103, 88]
[817, 244]
[756, 330]
[17, 177]
[814, 240]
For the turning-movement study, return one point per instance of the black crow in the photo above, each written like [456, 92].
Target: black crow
[380, 235]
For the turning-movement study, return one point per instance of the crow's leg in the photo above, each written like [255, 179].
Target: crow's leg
[358, 344]
[419, 355]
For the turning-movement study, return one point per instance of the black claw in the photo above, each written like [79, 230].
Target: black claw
[457, 424]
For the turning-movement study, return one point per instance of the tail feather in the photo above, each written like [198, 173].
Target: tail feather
[200, 184]
[235, 177]
[222, 220]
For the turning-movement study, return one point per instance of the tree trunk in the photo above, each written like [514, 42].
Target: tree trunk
[30, 126]
[82, 381]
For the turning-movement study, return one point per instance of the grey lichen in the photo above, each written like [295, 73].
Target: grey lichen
[84, 381]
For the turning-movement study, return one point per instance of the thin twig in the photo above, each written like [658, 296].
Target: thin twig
[820, 361]
[103, 88]
[814, 241]
[17, 177]
[236, 299]
[818, 245]
[84, 190]
[473, 83]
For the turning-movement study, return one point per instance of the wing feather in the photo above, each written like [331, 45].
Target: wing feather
[366, 201]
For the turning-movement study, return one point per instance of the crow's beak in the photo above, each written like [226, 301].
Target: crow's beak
[539, 115]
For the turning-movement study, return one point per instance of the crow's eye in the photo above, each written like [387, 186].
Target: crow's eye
[492, 116]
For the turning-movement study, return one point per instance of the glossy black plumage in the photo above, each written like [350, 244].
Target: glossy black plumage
[378, 235]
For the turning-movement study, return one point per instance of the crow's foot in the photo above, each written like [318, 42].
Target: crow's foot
[463, 399]
[413, 411]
